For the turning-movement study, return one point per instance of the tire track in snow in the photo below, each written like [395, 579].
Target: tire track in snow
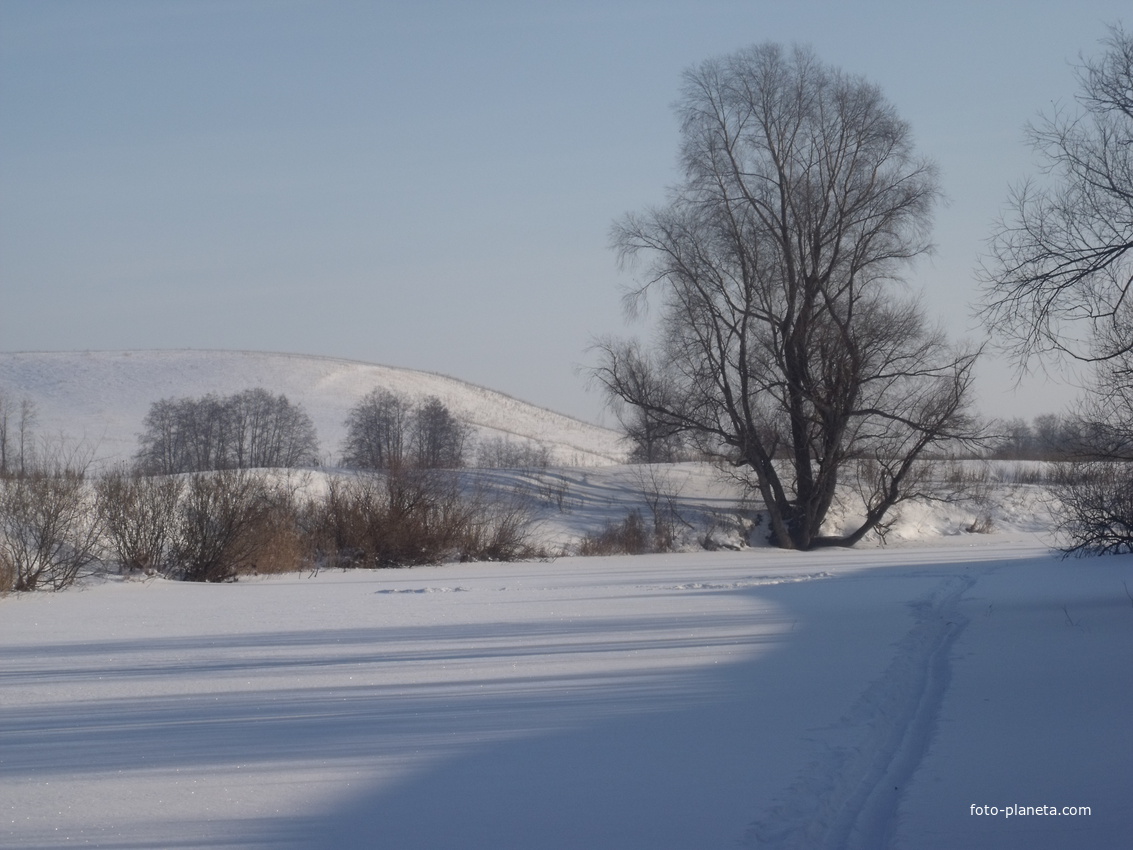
[848, 798]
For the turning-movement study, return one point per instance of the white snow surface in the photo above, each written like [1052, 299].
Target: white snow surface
[836, 699]
[102, 397]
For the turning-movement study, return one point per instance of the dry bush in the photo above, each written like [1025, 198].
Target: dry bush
[662, 494]
[503, 453]
[1096, 501]
[226, 525]
[407, 517]
[628, 537]
[7, 575]
[277, 542]
[380, 521]
[138, 514]
[49, 532]
[497, 528]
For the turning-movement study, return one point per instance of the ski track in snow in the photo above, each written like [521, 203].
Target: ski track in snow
[847, 799]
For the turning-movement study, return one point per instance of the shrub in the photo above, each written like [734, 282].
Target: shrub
[628, 537]
[139, 514]
[228, 523]
[7, 576]
[48, 530]
[503, 453]
[1096, 513]
[408, 517]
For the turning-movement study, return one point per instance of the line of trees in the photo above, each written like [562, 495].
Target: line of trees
[253, 429]
[1050, 437]
[388, 431]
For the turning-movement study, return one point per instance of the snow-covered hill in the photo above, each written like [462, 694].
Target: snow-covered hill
[102, 397]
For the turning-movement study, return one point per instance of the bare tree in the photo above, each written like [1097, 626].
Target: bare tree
[268, 431]
[205, 435]
[184, 435]
[1060, 265]
[159, 450]
[387, 431]
[17, 435]
[439, 438]
[5, 419]
[376, 431]
[17, 438]
[785, 346]
[1059, 284]
[655, 436]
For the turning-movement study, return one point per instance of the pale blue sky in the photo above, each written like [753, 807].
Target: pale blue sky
[431, 184]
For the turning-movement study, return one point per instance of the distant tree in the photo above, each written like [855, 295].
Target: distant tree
[5, 420]
[17, 436]
[387, 431]
[377, 431]
[160, 443]
[268, 431]
[655, 436]
[654, 439]
[439, 438]
[784, 346]
[252, 429]
[1016, 440]
[206, 434]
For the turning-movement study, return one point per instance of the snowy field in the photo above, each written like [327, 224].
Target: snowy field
[867, 698]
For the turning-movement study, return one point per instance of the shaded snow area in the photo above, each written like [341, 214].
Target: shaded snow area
[837, 699]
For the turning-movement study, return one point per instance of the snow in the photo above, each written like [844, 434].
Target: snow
[869, 698]
[863, 698]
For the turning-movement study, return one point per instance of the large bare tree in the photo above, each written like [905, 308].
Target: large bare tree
[1059, 284]
[1059, 269]
[785, 343]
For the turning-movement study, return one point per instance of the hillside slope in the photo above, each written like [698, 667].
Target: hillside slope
[102, 397]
